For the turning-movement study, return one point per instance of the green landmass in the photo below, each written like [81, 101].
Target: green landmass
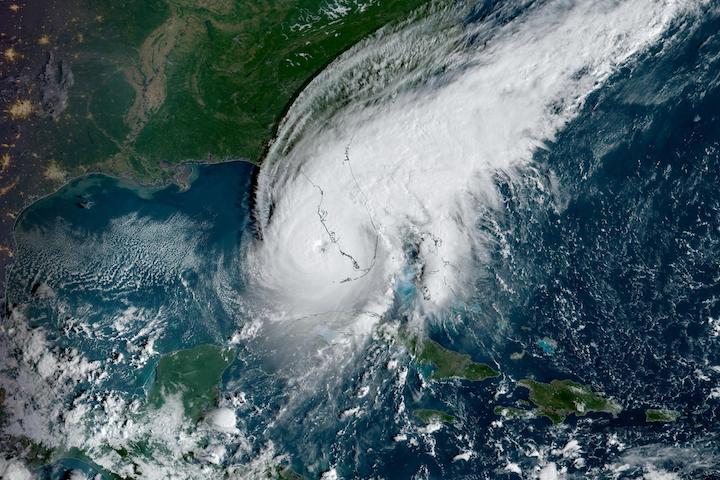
[35, 454]
[511, 412]
[135, 449]
[560, 398]
[160, 82]
[433, 416]
[449, 364]
[283, 472]
[661, 415]
[193, 374]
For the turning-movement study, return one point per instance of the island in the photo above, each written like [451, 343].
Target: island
[661, 415]
[560, 398]
[449, 364]
[433, 416]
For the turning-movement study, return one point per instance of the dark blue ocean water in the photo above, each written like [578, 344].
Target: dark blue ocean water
[620, 268]
[610, 277]
[611, 280]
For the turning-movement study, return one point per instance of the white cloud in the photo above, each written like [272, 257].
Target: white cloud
[11, 469]
[409, 157]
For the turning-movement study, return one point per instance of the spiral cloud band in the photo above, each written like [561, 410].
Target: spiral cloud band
[384, 165]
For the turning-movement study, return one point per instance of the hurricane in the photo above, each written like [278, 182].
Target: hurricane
[482, 241]
[386, 163]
